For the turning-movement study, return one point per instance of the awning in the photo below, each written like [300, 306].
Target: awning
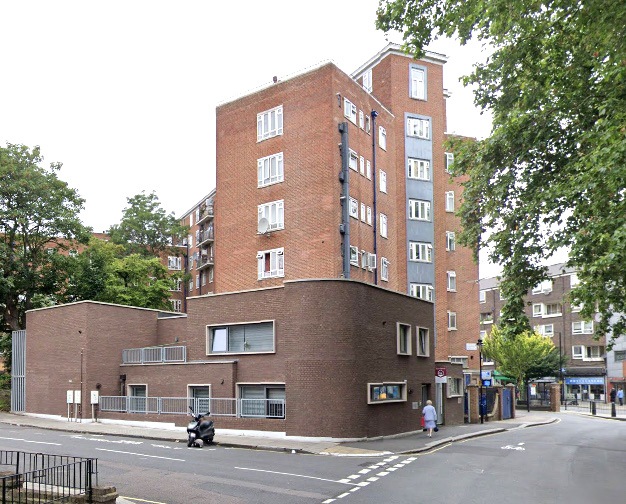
[497, 375]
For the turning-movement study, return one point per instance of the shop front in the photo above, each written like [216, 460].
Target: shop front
[585, 388]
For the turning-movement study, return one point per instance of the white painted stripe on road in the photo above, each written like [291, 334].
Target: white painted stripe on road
[355, 489]
[411, 459]
[364, 483]
[140, 454]
[364, 471]
[345, 482]
[343, 495]
[29, 441]
[354, 476]
[372, 479]
[381, 474]
[391, 469]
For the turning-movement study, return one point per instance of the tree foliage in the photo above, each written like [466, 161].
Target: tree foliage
[146, 228]
[553, 172]
[37, 212]
[523, 357]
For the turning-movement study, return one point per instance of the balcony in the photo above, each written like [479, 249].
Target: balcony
[204, 261]
[206, 213]
[154, 355]
[205, 237]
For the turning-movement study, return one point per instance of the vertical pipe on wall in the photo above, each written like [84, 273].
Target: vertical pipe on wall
[374, 114]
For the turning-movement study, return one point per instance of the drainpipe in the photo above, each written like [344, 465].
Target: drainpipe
[374, 114]
[344, 178]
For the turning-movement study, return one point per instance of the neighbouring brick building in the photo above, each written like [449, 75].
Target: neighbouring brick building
[340, 180]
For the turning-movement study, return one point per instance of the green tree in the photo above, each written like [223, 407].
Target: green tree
[104, 272]
[146, 228]
[523, 357]
[38, 212]
[553, 172]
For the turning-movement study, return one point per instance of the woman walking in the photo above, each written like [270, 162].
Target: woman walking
[430, 417]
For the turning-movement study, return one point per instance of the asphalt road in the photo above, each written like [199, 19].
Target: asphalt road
[578, 460]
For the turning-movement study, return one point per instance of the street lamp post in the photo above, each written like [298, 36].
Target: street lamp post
[480, 372]
[561, 388]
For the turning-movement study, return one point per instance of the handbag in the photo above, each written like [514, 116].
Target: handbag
[436, 429]
[422, 422]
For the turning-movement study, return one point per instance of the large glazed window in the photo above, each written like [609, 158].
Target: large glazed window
[241, 338]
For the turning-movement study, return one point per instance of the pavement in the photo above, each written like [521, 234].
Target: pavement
[404, 444]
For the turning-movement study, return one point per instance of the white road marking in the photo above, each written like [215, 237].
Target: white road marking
[364, 471]
[509, 447]
[381, 474]
[343, 495]
[167, 447]
[344, 481]
[29, 441]
[140, 454]
[372, 479]
[114, 441]
[354, 476]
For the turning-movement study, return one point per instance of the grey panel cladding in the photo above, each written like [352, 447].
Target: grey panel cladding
[419, 231]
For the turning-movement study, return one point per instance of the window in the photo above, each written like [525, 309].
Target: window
[269, 124]
[361, 120]
[382, 138]
[619, 355]
[582, 327]
[386, 392]
[173, 263]
[577, 352]
[383, 181]
[450, 241]
[210, 275]
[262, 401]
[404, 338]
[353, 162]
[363, 214]
[369, 215]
[419, 128]
[537, 310]
[576, 308]
[354, 256]
[137, 398]
[368, 169]
[270, 170]
[420, 251]
[458, 359]
[418, 83]
[449, 201]
[384, 269]
[545, 330]
[364, 260]
[421, 291]
[189, 241]
[274, 212]
[482, 296]
[368, 124]
[367, 81]
[419, 169]
[190, 285]
[178, 285]
[197, 281]
[573, 280]
[271, 263]
[552, 310]
[594, 352]
[423, 342]
[241, 338]
[353, 209]
[449, 161]
[203, 278]
[371, 261]
[451, 321]
[191, 217]
[383, 225]
[451, 281]
[362, 165]
[486, 318]
[544, 287]
[349, 110]
[455, 387]
[176, 305]
[419, 210]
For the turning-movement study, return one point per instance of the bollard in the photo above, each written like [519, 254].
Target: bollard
[593, 407]
[613, 412]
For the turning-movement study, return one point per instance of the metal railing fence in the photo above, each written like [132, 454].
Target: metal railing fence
[41, 478]
[152, 355]
[241, 408]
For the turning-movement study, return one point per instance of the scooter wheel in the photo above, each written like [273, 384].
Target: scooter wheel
[190, 443]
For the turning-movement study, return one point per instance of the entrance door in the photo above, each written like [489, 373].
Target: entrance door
[137, 399]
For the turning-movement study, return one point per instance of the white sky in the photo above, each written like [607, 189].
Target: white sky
[123, 93]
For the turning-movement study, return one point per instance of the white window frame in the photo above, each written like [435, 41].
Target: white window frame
[538, 310]
[367, 80]
[277, 263]
[371, 261]
[364, 259]
[383, 181]
[420, 252]
[363, 213]
[582, 327]
[418, 83]
[173, 263]
[418, 169]
[353, 208]
[349, 110]
[362, 165]
[578, 351]
[590, 350]
[482, 296]
[452, 321]
[383, 225]
[274, 212]
[573, 280]
[449, 161]
[368, 169]
[369, 215]
[546, 330]
[451, 276]
[449, 201]
[422, 291]
[544, 287]
[265, 128]
[422, 341]
[486, 318]
[555, 314]
[353, 161]
[420, 210]
[450, 241]
[382, 138]
[454, 387]
[403, 338]
[176, 305]
[354, 256]
[270, 170]
[384, 269]
[416, 127]
[361, 120]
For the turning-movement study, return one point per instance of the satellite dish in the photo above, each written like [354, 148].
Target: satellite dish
[263, 226]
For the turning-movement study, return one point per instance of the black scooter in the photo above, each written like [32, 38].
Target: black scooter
[199, 429]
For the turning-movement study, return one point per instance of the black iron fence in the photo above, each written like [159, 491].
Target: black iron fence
[41, 478]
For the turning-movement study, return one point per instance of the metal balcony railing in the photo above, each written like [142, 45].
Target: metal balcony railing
[153, 355]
